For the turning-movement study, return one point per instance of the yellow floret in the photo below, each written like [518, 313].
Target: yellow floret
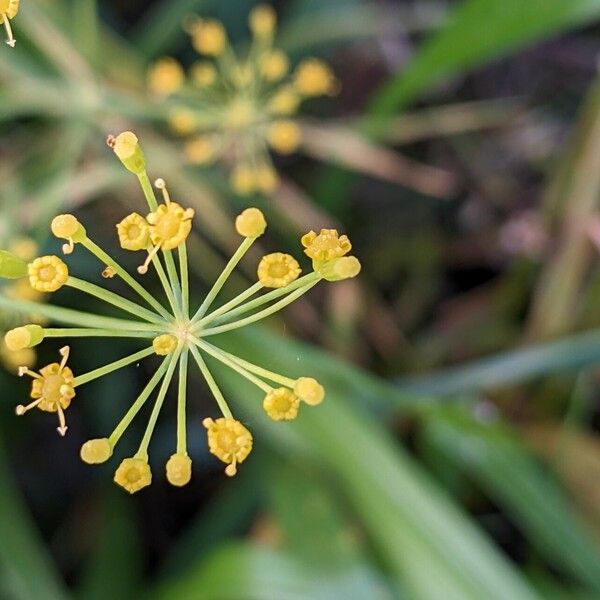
[266, 178]
[309, 390]
[314, 78]
[200, 150]
[281, 404]
[133, 232]
[262, 20]
[179, 469]
[243, 180]
[229, 441]
[95, 452]
[129, 151]
[67, 227]
[170, 225]
[278, 270]
[338, 269]
[9, 7]
[133, 474]
[209, 37]
[284, 136]
[327, 245]
[164, 344]
[203, 73]
[47, 273]
[182, 121]
[24, 247]
[24, 337]
[284, 102]
[165, 76]
[274, 65]
[250, 223]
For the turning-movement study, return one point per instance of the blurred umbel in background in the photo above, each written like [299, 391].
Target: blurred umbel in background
[456, 453]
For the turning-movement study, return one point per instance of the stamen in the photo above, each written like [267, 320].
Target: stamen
[21, 410]
[62, 424]
[162, 186]
[64, 352]
[27, 371]
[143, 269]
[69, 247]
[11, 40]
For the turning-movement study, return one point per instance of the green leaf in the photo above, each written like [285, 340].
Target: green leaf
[478, 31]
[511, 476]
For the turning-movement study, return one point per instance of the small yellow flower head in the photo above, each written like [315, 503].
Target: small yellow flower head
[51, 389]
[262, 20]
[47, 273]
[284, 102]
[182, 121]
[67, 227]
[20, 338]
[9, 10]
[22, 290]
[165, 76]
[266, 178]
[203, 73]
[200, 150]
[129, 151]
[338, 269]
[309, 390]
[11, 266]
[274, 65]
[133, 474]
[164, 344]
[250, 223]
[179, 469]
[133, 232]
[281, 404]
[209, 37]
[327, 245]
[314, 78]
[278, 270]
[95, 452]
[170, 225]
[229, 441]
[284, 136]
[243, 180]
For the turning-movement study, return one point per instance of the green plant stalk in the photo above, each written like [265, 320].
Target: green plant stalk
[113, 366]
[160, 271]
[181, 404]
[231, 304]
[212, 384]
[85, 332]
[185, 284]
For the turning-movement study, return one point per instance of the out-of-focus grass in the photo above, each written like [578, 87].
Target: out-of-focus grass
[334, 504]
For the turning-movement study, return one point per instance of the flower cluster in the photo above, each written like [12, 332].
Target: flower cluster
[235, 109]
[8, 11]
[172, 331]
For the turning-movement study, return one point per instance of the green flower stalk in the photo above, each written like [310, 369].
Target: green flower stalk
[171, 330]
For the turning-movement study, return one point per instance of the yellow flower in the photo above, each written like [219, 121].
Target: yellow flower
[23, 337]
[284, 102]
[68, 228]
[284, 136]
[314, 78]
[179, 469]
[133, 232]
[133, 474]
[127, 148]
[250, 223]
[47, 273]
[327, 245]
[266, 178]
[164, 344]
[200, 150]
[243, 180]
[278, 270]
[95, 452]
[309, 390]
[51, 389]
[338, 269]
[203, 73]
[9, 10]
[182, 121]
[262, 20]
[274, 65]
[281, 404]
[209, 37]
[166, 76]
[170, 224]
[229, 441]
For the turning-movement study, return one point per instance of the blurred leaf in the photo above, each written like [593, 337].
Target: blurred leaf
[513, 479]
[477, 31]
[26, 566]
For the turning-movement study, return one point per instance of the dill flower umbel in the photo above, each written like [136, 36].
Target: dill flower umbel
[8, 11]
[236, 108]
[170, 330]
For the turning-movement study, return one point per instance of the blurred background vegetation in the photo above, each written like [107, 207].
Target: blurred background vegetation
[457, 453]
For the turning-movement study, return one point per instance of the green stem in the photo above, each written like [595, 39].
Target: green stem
[148, 191]
[212, 294]
[114, 299]
[259, 315]
[173, 277]
[85, 332]
[273, 295]
[185, 284]
[140, 401]
[68, 316]
[165, 283]
[181, 402]
[125, 276]
[231, 304]
[212, 384]
[210, 349]
[143, 449]
[113, 366]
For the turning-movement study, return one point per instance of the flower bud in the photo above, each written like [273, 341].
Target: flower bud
[309, 390]
[27, 336]
[251, 223]
[96, 451]
[179, 469]
[338, 269]
[128, 150]
[68, 227]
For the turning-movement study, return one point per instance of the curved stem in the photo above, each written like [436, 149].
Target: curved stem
[212, 384]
